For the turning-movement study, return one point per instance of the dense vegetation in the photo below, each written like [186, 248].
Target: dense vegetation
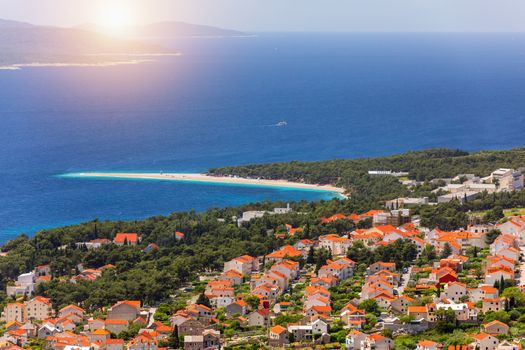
[402, 252]
[153, 277]
[453, 215]
[212, 237]
[352, 174]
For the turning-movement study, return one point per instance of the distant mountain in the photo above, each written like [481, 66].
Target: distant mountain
[25, 43]
[4, 23]
[182, 29]
[169, 30]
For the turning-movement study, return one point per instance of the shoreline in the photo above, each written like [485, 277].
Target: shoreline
[18, 66]
[139, 58]
[205, 178]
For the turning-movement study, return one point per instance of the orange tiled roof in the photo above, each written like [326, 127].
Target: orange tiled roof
[488, 289]
[72, 306]
[126, 237]
[372, 213]
[333, 218]
[426, 343]
[278, 329]
[481, 336]
[115, 322]
[134, 303]
[376, 336]
[286, 251]
[42, 299]
[495, 323]
[419, 309]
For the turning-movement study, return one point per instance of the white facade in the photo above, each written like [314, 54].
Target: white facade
[25, 284]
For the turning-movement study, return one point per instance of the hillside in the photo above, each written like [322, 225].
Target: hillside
[173, 264]
[4, 23]
[182, 29]
[352, 174]
[170, 29]
[207, 244]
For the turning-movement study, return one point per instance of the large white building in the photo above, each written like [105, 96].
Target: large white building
[507, 179]
[24, 285]
[254, 214]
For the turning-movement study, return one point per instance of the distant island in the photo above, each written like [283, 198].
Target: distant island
[23, 44]
[171, 29]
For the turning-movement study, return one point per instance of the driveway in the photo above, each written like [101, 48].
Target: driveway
[406, 278]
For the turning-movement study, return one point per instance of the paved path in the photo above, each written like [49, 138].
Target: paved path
[406, 278]
[152, 312]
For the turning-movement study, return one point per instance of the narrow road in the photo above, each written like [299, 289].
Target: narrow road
[406, 278]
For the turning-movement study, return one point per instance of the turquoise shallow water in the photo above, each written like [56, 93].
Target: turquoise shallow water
[324, 194]
[342, 95]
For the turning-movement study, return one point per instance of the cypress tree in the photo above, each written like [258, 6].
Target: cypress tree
[447, 250]
[310, 259]
[174, 341]
[319, 264]
[203, 300]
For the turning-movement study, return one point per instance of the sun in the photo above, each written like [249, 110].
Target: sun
[116, 17]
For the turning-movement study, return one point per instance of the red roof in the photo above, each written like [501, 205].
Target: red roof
[126, 237]
[116, 322]
[481, 336]
[286, 251]
[245, 259]
[371, 213]
[277, 329]
[263, 312]
[420, 309]
[494, 323]
[387, 229]
[322, 309]
[162, 328]
[134, 303]
[376, 336]
[42, 299]
[72, 306]
[333, 218]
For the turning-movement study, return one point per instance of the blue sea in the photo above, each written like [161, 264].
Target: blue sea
[342, 95]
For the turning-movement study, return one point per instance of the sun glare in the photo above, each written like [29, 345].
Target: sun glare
[116, 17]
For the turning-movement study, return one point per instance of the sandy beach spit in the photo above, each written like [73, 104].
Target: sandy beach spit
[213, 179]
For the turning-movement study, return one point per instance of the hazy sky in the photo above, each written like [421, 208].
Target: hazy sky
[287, 15]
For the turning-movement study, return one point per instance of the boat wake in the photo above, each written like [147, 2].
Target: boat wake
[278, 125]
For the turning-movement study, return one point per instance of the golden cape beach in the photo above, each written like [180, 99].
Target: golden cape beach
[213, 179]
